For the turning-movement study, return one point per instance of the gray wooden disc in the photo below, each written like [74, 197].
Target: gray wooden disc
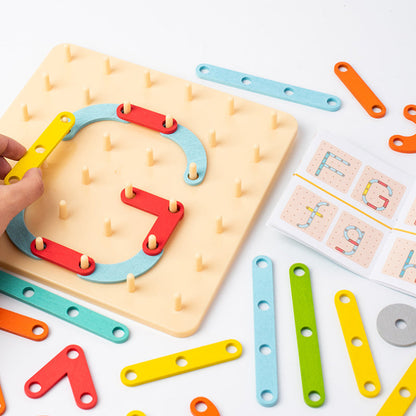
[396, 324]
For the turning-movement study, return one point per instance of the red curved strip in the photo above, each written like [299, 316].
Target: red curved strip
[146, 118]
[62, 256]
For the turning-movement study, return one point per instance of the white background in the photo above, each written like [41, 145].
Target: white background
[297, 42]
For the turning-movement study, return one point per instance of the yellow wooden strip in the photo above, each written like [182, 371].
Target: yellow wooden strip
[43, 146]
[357, 344]
[182, 362]
[403, 394]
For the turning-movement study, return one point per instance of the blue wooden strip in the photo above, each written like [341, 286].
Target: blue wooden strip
[264, 331]
[268, 87]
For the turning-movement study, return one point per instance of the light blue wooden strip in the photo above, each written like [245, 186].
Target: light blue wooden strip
[62, 308]
[264, 331]
[268, 87]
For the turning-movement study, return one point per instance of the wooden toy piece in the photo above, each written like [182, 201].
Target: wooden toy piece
[68, 54]
[256, 153]
[307, 336]
[219, 228]
[107, 142]
[107, 65]
[87, 96]
[405, 144]
[110, 172]
[212, 138]
[168, 121]
[273, 120]
[46, 82]
[188, 92]
[173, 205]
[84, 262]
[149, 157]
[70, 362]
[108, 231]
[2, 403]
[39, 244]
[360, 90]
[231, 106]
[62, 308]
[147, 79]
[237, 188]
[131, 283]
[402, 395]
[177, 302]
[43, 146]
[357, 344]
[182, 362]
[193, 171]
[135, 413]
[209, 407]
[152, 242]
[22, 325]
[63, 210]
[128, 191]
[25, 112]
[85, 173]
[126, 107]
[198, 262]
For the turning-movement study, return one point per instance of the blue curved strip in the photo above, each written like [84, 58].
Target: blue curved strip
[20, 236]
[92, 114]
[116, 273]
[194, 152]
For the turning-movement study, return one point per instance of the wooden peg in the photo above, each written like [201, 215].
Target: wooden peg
[131, 283]
[212, 138]
[68, 54]
[198, 262]
[25, 112]
[273, 120]
[85, 176]
[128, 190]
[87, 96]
[147, 80]
[39, 244]
[107, 66]
[218, 225]
[177, 302]
[63, 210]
[173, 205]
[231, 109]
[168, 121]
[107, 227]
[46, 82]
[256, 153]
[151, 242]
[237, 187]
[107, 142]
[193, 173]
[188, 92]
[149, 157]
[126, 107]
[84, 262]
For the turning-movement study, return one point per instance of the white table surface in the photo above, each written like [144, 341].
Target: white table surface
[297, 42]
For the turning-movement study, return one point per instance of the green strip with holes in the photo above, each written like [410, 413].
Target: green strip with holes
[62, 308]
[307, 336]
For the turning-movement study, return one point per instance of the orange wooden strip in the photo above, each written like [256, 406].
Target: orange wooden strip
[405, 144]
[2, 403]
[23, 325]
[360, 90]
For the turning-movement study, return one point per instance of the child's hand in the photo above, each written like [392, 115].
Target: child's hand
[15, 197]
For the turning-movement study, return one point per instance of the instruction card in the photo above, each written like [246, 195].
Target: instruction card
[355, 209]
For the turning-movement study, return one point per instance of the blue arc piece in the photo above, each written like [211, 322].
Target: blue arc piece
[264, 331]
[63, 308]
[268, 87]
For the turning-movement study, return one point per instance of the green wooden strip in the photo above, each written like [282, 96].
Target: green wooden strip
[307, 336]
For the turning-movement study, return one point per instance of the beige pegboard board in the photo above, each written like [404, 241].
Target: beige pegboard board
[88, 205]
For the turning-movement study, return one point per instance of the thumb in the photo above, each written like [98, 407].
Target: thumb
[23, 193]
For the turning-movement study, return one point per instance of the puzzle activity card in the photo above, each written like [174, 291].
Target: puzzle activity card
[355, 209]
